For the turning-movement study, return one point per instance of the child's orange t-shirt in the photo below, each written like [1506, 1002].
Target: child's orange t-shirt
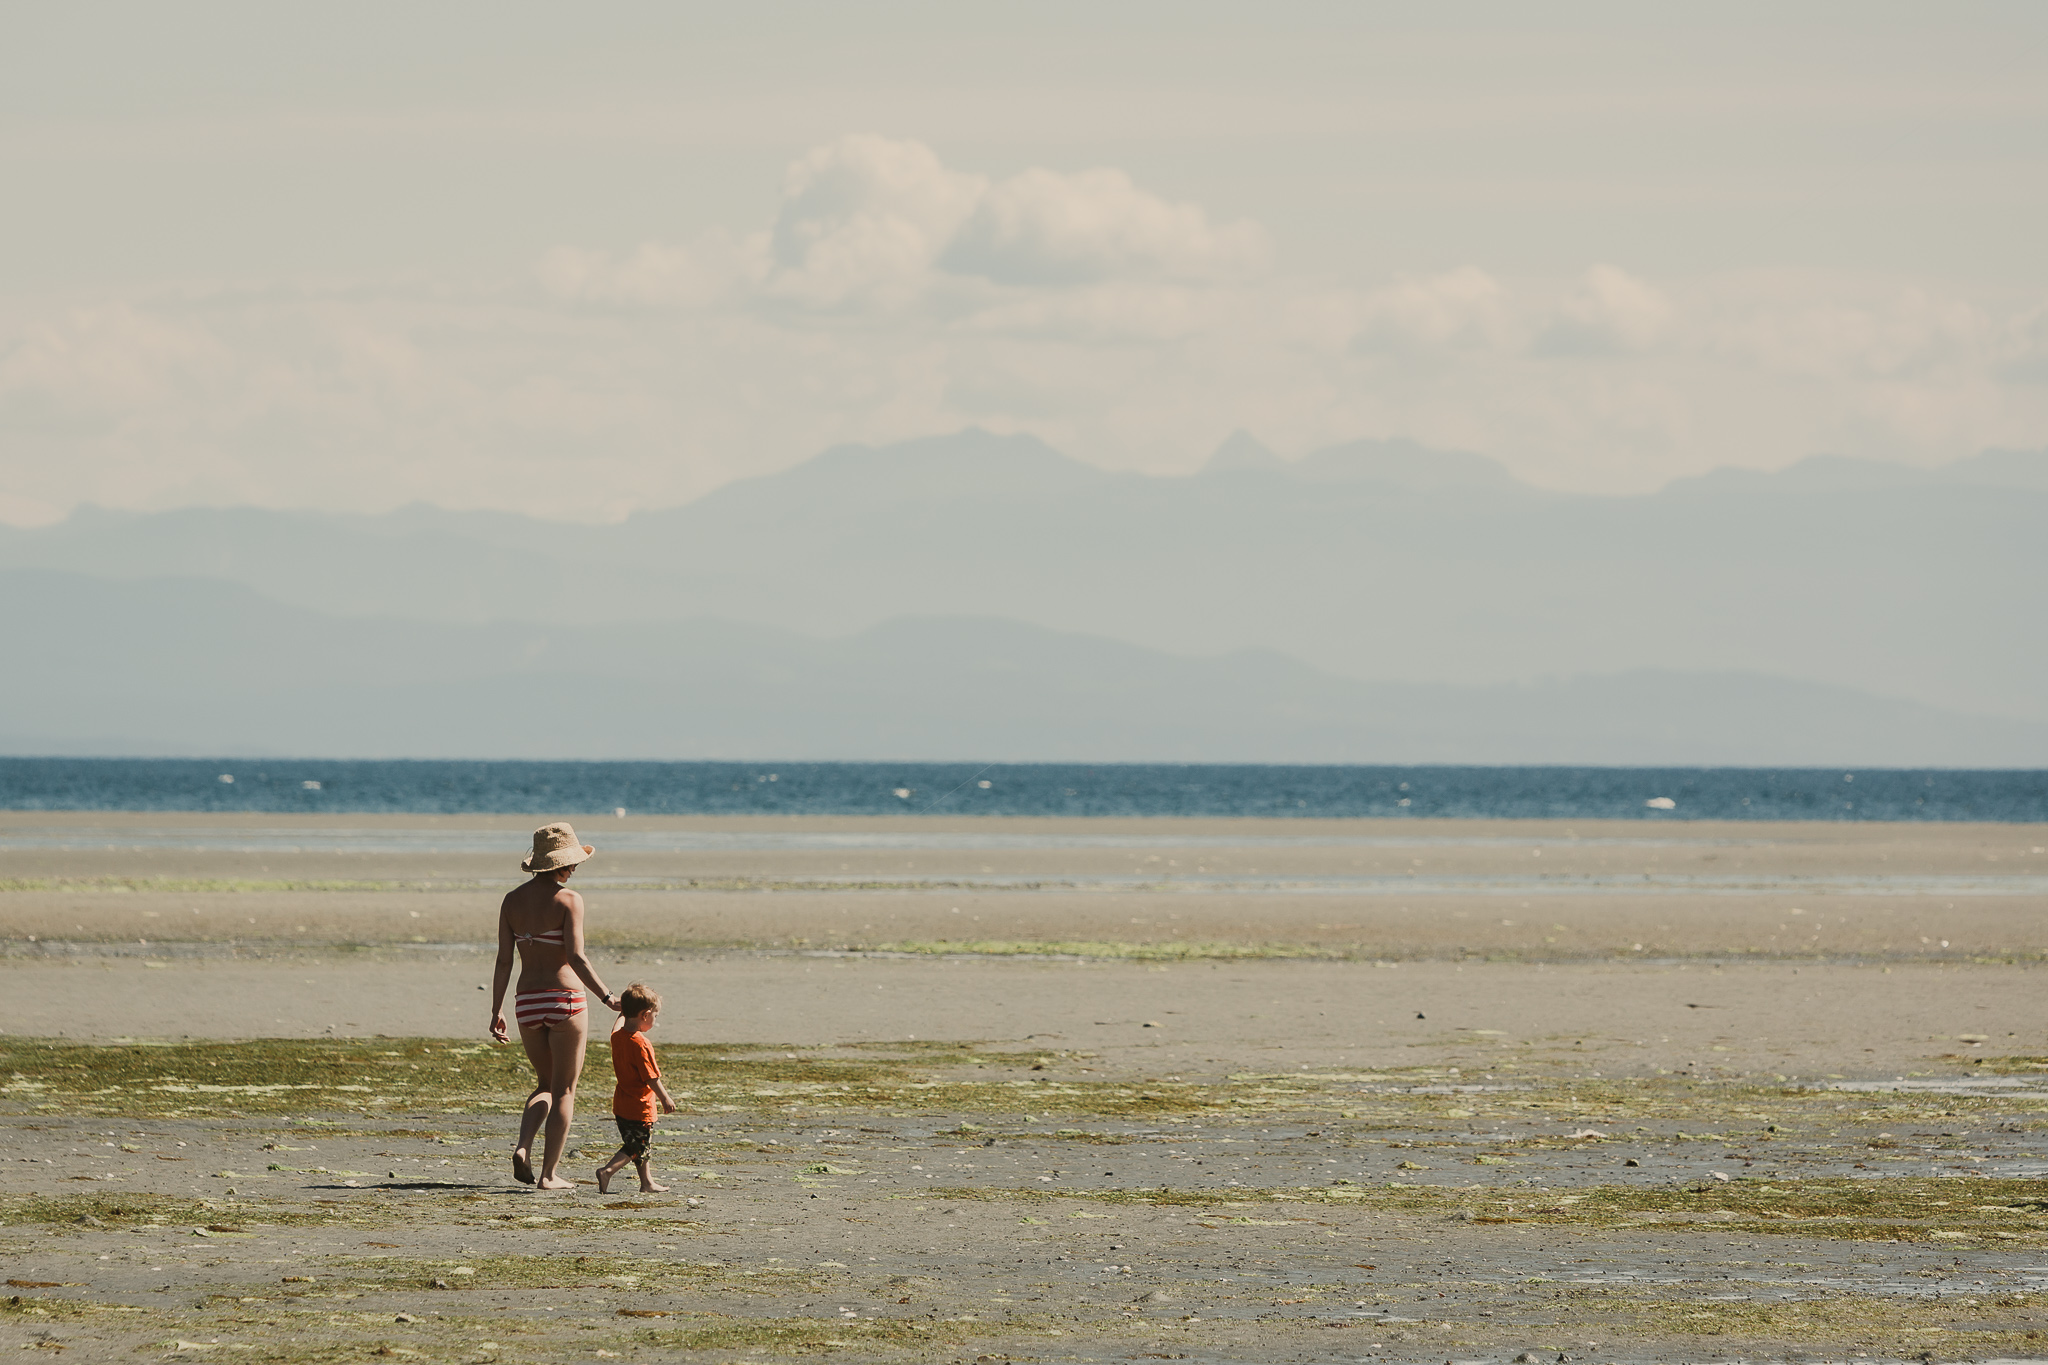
[633, 1064]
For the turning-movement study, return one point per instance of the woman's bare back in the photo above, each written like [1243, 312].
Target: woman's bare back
[544, 918]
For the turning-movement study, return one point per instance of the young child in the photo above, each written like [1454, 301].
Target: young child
[639, 1086]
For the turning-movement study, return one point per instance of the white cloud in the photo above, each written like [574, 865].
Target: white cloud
[1044, 228]
[1115, 312]
[2025, 353]
[113, 356]
[1894, 335]
[656, 274]
[869, 223]
[1609, 311]
[862, 221]
[1463, 309]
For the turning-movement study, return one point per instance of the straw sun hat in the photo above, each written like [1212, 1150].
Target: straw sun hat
[554, 848]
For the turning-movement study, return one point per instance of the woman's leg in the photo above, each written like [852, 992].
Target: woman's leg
[540, 1052]
[565, 1045]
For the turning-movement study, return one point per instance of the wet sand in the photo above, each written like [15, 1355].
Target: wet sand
[1198, 1019]
[405, 847]
[1532, 891]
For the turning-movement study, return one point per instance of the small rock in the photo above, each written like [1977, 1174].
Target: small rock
[1632, 1162]
[1154, 1296]
[1720, 1175]
[1418, 1014]
[405, 1317]
[1528, 1358]
[1151, 1023]
[440, 1284]
[87, 1220]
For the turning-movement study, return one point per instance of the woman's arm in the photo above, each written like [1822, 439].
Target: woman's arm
[572, 945]
[501, 975]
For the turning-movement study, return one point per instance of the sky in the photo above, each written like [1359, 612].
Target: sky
[577, 261]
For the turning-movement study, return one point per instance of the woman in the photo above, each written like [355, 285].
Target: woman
[543, 920]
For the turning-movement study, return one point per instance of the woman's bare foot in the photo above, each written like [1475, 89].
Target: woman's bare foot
[649, 1187]
[522, 1166]
[555, 1182]
[604, 1181]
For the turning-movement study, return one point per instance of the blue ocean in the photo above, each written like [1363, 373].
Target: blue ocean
[450, 787]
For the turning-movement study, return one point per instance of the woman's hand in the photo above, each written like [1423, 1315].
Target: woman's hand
[498, 1027]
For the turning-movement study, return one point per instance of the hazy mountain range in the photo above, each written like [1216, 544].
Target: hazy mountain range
[985, 596]
[189, 667]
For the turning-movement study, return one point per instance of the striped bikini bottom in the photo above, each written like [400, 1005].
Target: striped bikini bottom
[547, 1009]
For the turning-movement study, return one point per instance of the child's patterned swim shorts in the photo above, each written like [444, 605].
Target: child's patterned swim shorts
[634, 1136]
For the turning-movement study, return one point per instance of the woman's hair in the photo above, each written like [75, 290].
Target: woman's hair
[638, 999]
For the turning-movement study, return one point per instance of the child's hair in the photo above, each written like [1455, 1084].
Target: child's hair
[638, 999]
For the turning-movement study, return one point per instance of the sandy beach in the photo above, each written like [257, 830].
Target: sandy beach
[1429, 1007]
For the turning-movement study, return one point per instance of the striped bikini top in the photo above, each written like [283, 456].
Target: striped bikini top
[544, 936]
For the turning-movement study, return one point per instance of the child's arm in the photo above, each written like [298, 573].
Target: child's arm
[668, 1106]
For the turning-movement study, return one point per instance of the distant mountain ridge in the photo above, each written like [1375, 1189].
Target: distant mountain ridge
[2019, 470]
[1401, 464]
[184, 666]
[1376, 560]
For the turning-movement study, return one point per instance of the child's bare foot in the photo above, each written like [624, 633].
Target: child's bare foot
[649, 1187]
[604, 1181]
[522, 1166]
[555, 1182]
